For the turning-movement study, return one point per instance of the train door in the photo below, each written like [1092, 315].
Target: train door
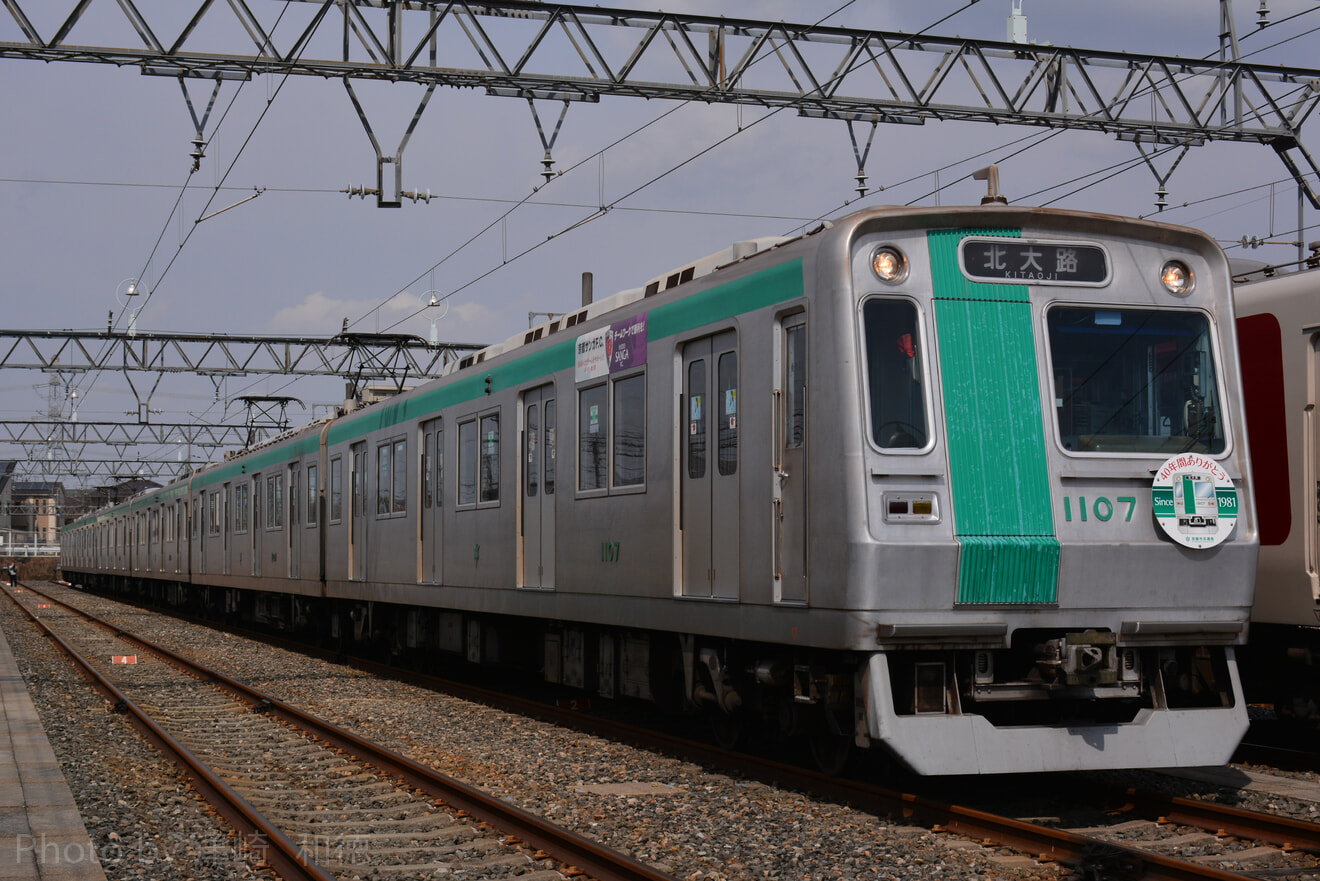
[226, 521]
[357, 533]
[433, 494]
[710, 509]
[153, 539]
[538, 487]
[1311, 470]
[259, 517]
[185, 534]
[790, 475]
[295, 532]
[204, 501]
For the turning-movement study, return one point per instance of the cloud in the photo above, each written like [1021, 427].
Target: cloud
[321, 315]
[316, 315]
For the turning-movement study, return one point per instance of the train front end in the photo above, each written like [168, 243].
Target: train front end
[1059, 549]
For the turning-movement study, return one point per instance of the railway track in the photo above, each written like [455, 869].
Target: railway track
[308, 799]
[1132, 833]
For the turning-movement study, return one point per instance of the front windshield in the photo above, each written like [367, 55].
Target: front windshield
[1134, 381]
[894, 374]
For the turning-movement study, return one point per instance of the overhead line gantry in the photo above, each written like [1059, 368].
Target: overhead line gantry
[564, 54]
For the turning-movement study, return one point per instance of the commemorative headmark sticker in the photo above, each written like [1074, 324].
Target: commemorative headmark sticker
[1194, 500]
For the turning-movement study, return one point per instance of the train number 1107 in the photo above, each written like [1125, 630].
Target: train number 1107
[1100, 508]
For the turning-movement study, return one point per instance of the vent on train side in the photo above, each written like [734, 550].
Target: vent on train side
[705, 266]
[711, 262]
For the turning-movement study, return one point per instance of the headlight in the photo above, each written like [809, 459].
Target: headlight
[1177, 278]
[889, 264]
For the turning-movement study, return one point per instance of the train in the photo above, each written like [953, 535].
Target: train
[959, 487]
[1278, 319]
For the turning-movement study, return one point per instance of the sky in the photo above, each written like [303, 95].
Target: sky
[94, 160]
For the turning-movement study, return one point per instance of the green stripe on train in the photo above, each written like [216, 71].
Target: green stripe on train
[767, 288]
[774, 285]
[998, 467]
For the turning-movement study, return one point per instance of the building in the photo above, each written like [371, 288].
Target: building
[6, 501]
[36, 512]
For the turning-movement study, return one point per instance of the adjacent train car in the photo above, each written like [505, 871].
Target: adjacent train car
[960, 484]
[1279, 331]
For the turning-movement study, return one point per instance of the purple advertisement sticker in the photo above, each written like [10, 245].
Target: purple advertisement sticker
[626, 344]
[621, 346]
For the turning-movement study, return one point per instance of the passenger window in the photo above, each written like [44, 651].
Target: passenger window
[313, 514]
[727, 368]
[490, 458]
[532, 434]
[279, 502]
[593, 455]
[795, 411]
[630, 431]
[895, 376]
[440, 467]
[467, 463]
[294, 498]
[427, 440]
[384, 471]
[400, 494]
[550, 447]
[696, 420]
[336, 490]
[1135, 381]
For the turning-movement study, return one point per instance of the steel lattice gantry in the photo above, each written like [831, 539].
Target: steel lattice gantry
[370, 356]
[34, 433]
[566, 53]
[60, 446]
[92, 470]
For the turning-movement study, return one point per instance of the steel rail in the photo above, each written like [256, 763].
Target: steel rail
[1285, 832]
[1041, 842]
[596, 860]
[258, 833]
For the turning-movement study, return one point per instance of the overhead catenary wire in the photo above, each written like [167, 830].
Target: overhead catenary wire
[599, 212]
[616, 206]
[1137, 162]
[605, 209]
[175, 209]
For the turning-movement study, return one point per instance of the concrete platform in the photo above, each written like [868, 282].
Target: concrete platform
[42, 835]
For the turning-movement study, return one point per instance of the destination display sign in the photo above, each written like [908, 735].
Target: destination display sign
[1021, 261]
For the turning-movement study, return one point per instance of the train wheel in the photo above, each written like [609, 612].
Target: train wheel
[726, 728]
[830, 750]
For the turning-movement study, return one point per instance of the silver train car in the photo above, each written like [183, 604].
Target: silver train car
[963, 485]
[1279, 331]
